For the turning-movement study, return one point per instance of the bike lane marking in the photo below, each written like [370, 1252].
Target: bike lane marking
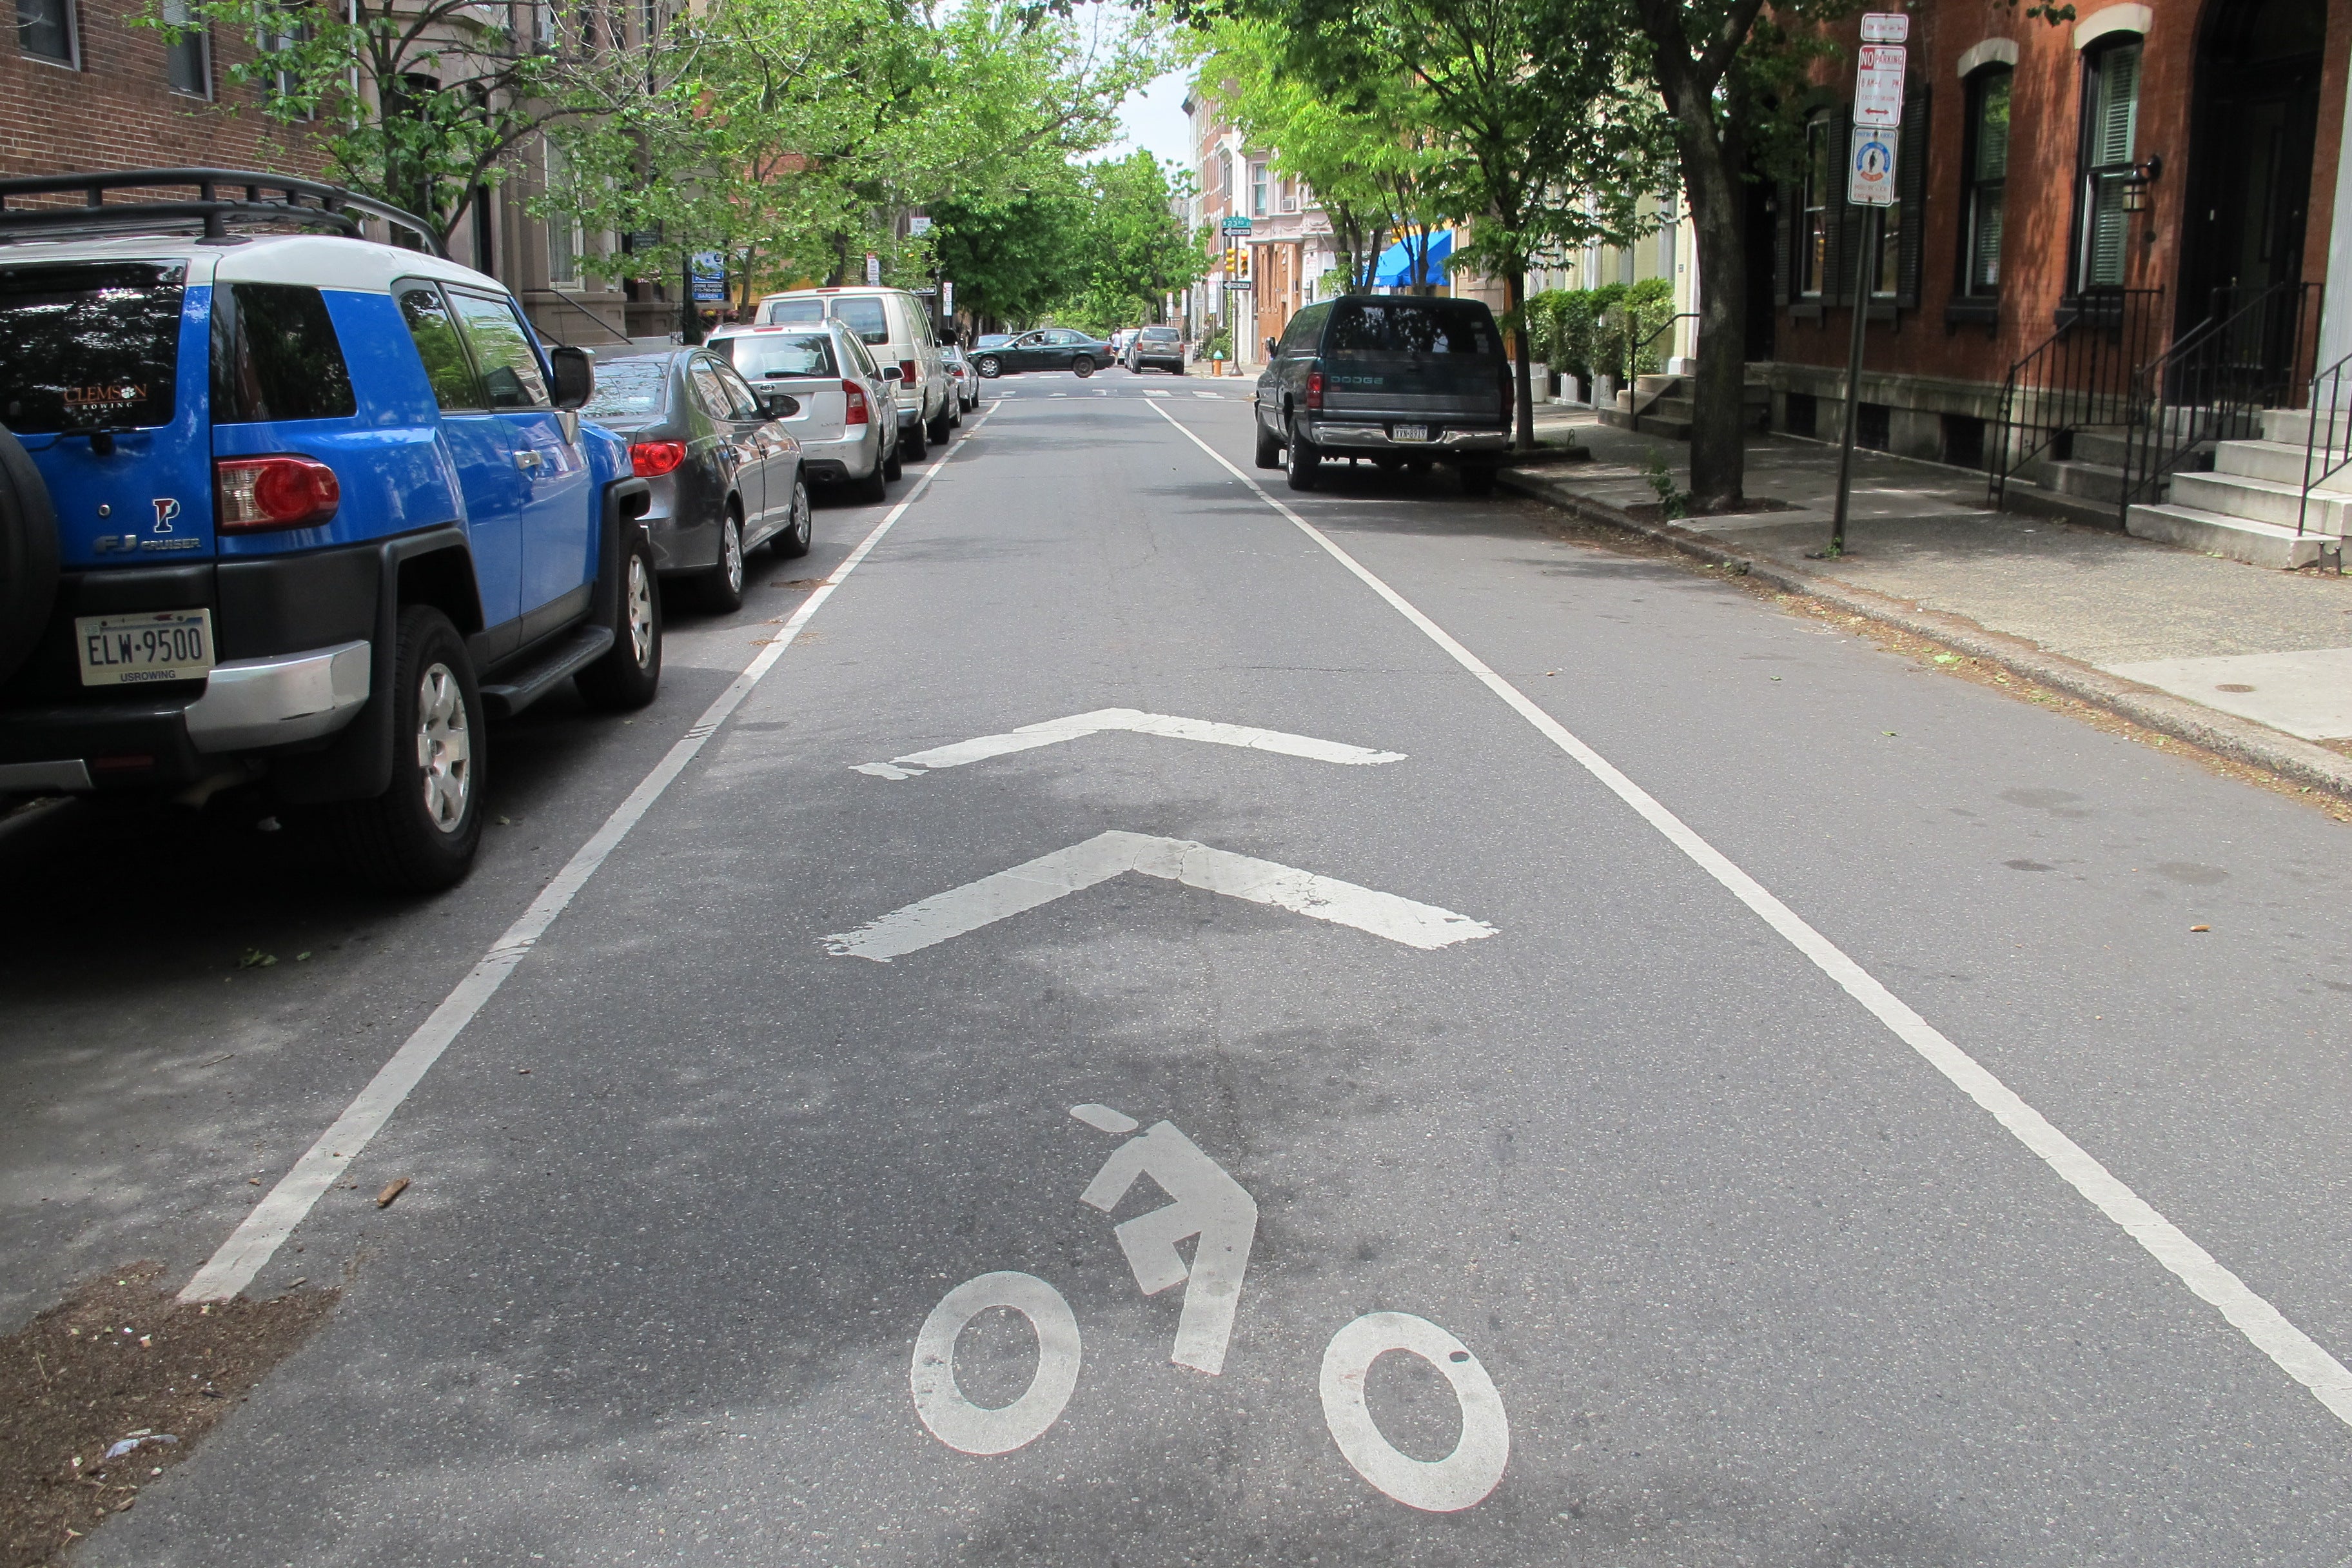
[267, 1224]
[2264, 1326]
[1019, 889]
[1053, 731]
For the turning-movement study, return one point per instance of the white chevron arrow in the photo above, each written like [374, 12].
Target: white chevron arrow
[1053, 731]
[1107, 855]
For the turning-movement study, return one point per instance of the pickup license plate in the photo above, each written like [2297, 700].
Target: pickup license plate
[157, 645]
[1409, 433]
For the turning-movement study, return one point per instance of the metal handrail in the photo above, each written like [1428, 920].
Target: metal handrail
[2213, 384]
[2323, 449]
[1643, 346]
[2079, 376]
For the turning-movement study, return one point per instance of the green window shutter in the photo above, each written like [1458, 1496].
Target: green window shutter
[1911, 190]
[1844, 220]
[1784, 242]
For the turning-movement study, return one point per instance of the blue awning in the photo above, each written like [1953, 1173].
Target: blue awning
[1395, 270]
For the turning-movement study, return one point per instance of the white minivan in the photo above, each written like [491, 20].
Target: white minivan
[897, 327]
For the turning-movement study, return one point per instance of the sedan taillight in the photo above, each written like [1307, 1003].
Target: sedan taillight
[858, 413]
[260, 493]
[651, 459]
[1314, 389]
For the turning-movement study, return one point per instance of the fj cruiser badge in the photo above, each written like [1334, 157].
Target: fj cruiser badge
[167, 508]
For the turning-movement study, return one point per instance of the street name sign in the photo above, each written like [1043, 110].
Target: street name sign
[1236, 224]
[1870, 173]
[1886, 27]
[1878, 86]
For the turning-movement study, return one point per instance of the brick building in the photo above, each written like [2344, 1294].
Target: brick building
[2120, 179]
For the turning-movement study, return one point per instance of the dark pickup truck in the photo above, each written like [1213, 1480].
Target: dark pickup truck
[1402, 380]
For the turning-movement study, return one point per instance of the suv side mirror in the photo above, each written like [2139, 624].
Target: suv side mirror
[776, 402]
[892, 373]
[575, 375]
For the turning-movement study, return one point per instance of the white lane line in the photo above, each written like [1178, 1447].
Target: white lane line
[1018, 888]
[1155, 395]
[267, 1224]
[1217, 395]
[1053, 731]
[2295, 1353]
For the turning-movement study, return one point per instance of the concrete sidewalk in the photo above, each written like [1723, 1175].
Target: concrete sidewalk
[2248, 646]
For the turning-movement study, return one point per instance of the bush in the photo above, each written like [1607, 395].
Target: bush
[1218, 344]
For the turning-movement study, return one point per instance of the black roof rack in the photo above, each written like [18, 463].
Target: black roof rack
[223, 197]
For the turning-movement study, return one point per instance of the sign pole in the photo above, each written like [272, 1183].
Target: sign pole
[1872, 217]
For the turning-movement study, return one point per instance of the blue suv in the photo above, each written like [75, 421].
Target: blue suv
[292, 507]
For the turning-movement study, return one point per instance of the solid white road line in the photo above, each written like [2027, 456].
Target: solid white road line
[2295, 1353]
[1107, 855]
[1218, 394]
[1053, 731]
[273, 1219]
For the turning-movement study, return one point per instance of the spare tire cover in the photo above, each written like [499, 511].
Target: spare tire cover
[28, 554]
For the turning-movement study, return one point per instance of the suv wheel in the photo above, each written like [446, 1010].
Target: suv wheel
[721, 587]
[627, 677]
[28, 554]
[420, 835]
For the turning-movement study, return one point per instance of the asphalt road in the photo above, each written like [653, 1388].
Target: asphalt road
[1609, 1008]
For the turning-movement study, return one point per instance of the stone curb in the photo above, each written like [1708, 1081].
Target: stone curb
[2240, 740]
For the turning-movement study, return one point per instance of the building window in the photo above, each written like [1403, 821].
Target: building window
[1815, 215]
[188, 51]
[1986, 161]
[45, 29]
[1889, 276]
[2110, 130]
[1257, 190]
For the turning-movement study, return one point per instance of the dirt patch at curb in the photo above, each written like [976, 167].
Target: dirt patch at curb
[121, 1363]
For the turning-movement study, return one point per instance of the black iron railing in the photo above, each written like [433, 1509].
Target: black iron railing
[2252, 351]
[2327, 443]
[2080, 377]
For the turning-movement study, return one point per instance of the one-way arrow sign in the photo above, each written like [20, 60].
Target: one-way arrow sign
[1107, 855]
[1053, 731]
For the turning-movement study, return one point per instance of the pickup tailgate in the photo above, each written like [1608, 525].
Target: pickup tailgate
[1434, 361]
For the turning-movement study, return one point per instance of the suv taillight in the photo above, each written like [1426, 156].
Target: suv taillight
[1314, 389]
[259, 493]
[907, 370]
[858, 413]
[651, 459]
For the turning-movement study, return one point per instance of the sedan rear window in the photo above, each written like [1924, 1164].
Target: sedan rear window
[89, 347]
[1157, 334]
[769, 358]
[629, 389]
[1399, 327]
[276, 356]
[864, 315]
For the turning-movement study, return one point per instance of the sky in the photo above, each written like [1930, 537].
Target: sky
[1154, 121]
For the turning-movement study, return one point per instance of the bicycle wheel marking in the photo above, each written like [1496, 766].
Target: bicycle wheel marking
[975, 1428]
[1462, 1478]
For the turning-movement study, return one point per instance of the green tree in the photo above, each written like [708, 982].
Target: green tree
[1137, 251]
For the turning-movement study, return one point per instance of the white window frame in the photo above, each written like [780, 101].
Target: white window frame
[175, 12]
[72, 60]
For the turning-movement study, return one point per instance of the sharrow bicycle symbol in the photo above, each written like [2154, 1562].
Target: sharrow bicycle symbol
[1209, 1204]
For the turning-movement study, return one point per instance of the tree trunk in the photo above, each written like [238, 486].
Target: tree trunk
[1718, 454]
[1522, 418]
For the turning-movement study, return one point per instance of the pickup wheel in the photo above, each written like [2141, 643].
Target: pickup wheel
[629, 674]
[28, 554]
[721, 589]
[1478, 479]
[1301, 459]
[420, 835]
[1269, 447]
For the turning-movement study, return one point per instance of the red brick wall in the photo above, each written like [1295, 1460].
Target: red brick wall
[2045, 110]
[118, 111]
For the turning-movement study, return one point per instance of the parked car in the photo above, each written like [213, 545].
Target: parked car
[1399, 379]
[294, 508]
[1051, 348]
[723, 466]
[847, 422]
[1159, 347]
[897, 326]
[1118, 342]
[967, 380]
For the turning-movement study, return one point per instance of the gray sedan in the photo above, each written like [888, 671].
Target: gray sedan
[725, 471]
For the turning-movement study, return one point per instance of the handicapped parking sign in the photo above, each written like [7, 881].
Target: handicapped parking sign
[1870, 170]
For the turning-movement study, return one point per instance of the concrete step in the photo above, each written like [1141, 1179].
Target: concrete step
[2110, 448]
[2292, 426]
[1647, 387]
[2263, 500]
[2276, 461]
[1682, 408]
[2089, 481]
[2240, 539]
[1667, 426]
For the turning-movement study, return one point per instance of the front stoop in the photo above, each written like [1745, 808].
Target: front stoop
[2246, 539]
